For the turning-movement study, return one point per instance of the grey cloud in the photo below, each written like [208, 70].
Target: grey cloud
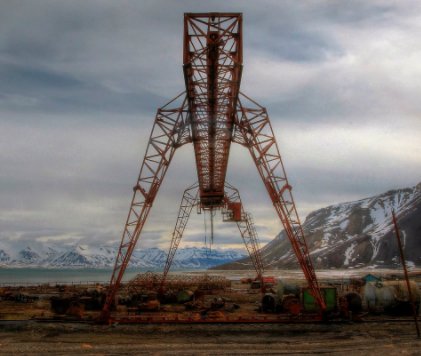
[358, 13]
[72, 57]
[20, 78]
[55, 92]
[81, 81]
[300, 46]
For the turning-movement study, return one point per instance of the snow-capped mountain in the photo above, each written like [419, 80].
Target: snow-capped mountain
[104, 257]
[346, 235]
[355, 234]
[14, 253]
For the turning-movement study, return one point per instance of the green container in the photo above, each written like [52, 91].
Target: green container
[184, 296]
[329, 295]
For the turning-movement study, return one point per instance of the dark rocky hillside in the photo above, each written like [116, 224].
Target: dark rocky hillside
[354, 234]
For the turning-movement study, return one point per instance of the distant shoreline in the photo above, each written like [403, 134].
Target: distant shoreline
[34, 275]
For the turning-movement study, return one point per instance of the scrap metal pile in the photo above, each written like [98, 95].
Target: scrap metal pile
[153, 282]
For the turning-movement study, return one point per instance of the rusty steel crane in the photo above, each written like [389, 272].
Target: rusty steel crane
[211, 114]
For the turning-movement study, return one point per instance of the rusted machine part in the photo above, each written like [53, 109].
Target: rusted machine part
[270, 303]
[212, 115]
[292, 305]
[150, 305]
[354, 302]
[76, 304]
[350, 304]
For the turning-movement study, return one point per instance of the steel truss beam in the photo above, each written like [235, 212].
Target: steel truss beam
[189, 200]
[212, 71]
[170, 131]
[254, 131]
[212, 114]
[232, 211]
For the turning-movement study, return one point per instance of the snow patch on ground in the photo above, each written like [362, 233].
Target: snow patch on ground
[410, 265]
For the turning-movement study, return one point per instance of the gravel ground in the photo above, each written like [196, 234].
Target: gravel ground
[373, 338]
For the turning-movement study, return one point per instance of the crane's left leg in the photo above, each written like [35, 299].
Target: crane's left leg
[169, 131]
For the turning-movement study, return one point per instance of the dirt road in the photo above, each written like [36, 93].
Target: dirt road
[387, 338]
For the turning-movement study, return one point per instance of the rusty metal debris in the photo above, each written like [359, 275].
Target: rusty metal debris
[152, 282]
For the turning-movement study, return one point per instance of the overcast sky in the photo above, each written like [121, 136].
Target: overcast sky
[80, 82]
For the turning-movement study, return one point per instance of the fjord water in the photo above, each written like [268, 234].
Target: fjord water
[25, 276]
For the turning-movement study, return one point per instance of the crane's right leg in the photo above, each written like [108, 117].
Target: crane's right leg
[254, 130]
[170, 130]
[189, 200]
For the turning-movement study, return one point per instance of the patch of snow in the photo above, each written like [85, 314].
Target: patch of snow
[317, 250]
[376, 245]
[403, 238]
[410, 265]
[348, 253]
[325, 240]
[344, 224]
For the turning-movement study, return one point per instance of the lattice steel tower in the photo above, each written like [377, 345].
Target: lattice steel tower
[211, 114]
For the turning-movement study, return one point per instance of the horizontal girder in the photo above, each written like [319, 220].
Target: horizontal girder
[212, 71]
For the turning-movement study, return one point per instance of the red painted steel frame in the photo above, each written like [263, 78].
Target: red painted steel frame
[212, 72]
[245, 225]
[170, 130]
[254, 131]
[189, 200]
[212, 115]
[243, 220]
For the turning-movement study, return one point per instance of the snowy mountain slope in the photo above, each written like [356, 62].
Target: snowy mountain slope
[84, 255]
[17, 254]
[355, 234]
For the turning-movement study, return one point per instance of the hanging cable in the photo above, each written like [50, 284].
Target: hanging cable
[206, 233]
[211, 218]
